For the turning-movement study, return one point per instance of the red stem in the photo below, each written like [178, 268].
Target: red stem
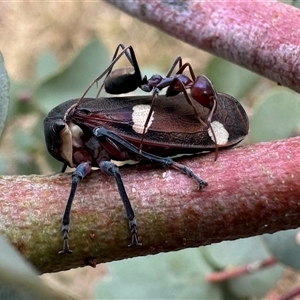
[290, 294]
[240, 271]
[261, 36]
[252, 190]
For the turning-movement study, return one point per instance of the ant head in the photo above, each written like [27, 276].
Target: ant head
[203, 92]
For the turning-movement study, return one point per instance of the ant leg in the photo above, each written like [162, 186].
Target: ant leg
[187, 97]
[177, 61]
[106, 71]
[135, 78]
[191, 70]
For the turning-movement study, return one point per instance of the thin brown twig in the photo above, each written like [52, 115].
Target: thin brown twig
[233, 272]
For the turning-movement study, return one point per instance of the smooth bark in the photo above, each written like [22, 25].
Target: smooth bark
[261, 36]
[252, 190]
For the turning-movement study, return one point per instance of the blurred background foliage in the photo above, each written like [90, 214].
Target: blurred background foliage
[52, 52]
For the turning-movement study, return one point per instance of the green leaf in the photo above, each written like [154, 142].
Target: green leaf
[285, 246]
[47, 64]
[234, 253]
[177, 275]
[258, 284]
[296, 3]
[20, 99]
[71, 82]
[275, 116]
[238, 253]
[4, 93]
[27, 144]
[229, 78]
[18, 280]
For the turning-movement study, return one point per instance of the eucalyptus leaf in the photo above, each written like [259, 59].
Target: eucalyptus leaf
[238, 253]
[27, 145]
[4, 93]
[229, 78]
[296, 3]
[47, 64]
[72, 81]
[177, 275]
[257, 284]
[18, 279]
[20, 99]
[275, 116]
[235, 253]
[285, 246]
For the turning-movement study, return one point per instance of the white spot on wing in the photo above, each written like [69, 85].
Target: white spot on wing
[220, 132]
[139, 117]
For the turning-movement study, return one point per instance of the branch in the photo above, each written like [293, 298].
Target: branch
[252, 190]
[235, 272]
[260, 36]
